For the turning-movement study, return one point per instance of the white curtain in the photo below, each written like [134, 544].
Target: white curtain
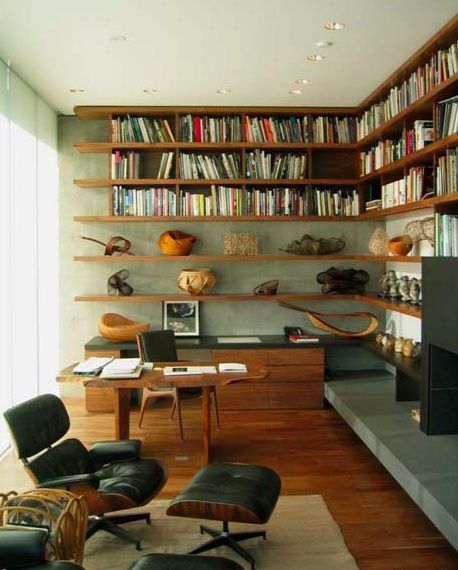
[29, 244]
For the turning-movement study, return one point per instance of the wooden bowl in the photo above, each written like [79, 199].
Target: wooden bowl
[117, 328]
[400, 245]
[176, 243]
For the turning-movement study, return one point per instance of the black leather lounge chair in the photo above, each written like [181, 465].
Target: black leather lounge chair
[111, 475]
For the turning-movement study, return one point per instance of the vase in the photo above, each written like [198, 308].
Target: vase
[196, 281]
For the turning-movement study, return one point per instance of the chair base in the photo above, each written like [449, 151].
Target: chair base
[230, 539]
[111, 524]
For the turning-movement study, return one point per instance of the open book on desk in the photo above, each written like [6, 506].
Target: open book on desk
[92, 366]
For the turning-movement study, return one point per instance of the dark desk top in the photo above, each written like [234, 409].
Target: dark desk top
[235, 342]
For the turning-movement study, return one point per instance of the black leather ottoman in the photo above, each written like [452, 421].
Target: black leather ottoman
[184, 562]
[229, 492]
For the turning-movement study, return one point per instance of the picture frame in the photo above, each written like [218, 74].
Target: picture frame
[182, 317]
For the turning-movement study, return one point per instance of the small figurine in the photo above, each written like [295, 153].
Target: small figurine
[415, 291]
[404, 288]
[398, 344]
[408, 346]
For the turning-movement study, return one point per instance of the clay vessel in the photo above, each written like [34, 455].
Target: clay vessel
[174, 242]
[400, 245]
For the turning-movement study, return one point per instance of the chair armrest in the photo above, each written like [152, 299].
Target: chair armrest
[69, 481]
[19, 548]
[104, 452]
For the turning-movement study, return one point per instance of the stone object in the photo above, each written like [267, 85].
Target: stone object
[307, 245]
[342, 280]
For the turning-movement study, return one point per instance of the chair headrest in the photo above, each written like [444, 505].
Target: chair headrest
[37, 423]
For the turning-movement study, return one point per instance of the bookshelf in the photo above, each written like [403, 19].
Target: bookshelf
[219, 164]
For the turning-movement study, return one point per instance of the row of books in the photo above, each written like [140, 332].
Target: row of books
[141, 129]
[261, 164]
[276, 129]
[447, 173]
[143, 201]
[446, 235]
[233, 201]
[210, 166]
[203, 128]
[125, 164]
[329, 129]
[416, 185]
[442, 65]
[387, 151]
[447, 117]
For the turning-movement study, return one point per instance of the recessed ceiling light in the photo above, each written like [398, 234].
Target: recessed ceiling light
[77, 90]
[150, 90]
[295, 92]
[316, 57]
[223, 91]
[334, 26]
[118, 38]
[324, 44]
[303, 81]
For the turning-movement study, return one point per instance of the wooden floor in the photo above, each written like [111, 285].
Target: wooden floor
[314, 452]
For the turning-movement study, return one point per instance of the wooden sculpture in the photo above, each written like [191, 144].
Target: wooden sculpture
[319, 323]
[116, 244]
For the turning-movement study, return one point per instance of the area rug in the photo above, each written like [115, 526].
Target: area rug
[301, 535]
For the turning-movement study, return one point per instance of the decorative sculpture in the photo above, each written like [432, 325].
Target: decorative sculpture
[319, 323]
[378, 242]
[307, 245]
[267, 288]
[175, 242]
[400, 245]
[196, 281]
[244, 243]
[420, 230]
[116, 244]
[342, 280]
[118, 328]
[117, 285]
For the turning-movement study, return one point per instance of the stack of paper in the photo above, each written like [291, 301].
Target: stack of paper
[179, 370]
[122, 368]
[92, 366]
[232, 367]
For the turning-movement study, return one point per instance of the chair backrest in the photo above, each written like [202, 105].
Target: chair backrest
[35, 425]
[157, 346]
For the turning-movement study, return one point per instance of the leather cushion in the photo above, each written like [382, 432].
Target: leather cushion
[184, 562]
[104, 452]
[37, 423]
[67, 458]
[137, 480]
[252, 487]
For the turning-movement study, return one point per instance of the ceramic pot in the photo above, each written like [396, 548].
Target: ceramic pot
[196, 281]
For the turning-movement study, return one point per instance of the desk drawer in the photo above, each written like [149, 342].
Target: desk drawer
[271, 356]
[249, 395]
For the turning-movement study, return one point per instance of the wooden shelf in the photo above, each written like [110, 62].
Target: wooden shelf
[105, 182]
[244, 258]
[410, 207]
[369, 298]
[418, 158]
[142, 219]
[211, 297]
[390, 304]
[108, 147]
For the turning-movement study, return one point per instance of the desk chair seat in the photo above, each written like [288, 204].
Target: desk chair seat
[160, 346]
[229, 492]
[110, 476]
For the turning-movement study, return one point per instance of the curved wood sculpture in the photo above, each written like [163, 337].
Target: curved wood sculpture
[116, 244]
[118, 328]
[319, 323]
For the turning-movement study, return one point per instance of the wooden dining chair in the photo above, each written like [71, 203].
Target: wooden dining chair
[160, 346]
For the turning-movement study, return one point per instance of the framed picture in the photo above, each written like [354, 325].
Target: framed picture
[181, 317]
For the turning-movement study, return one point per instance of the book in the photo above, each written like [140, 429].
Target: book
[232, 367]
[92, 366]
[305, 337]
[122, 368]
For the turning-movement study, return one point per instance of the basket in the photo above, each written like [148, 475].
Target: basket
[176, 243]
[196, 281]
[117, 328]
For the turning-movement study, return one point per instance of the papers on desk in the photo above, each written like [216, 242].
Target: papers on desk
[92, 366]
[122, 368]
[179, 370]
[232, 367]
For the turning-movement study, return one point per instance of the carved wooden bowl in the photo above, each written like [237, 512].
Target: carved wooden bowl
[117, 328]
[400, 245]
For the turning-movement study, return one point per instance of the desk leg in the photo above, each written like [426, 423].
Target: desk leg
[122, 412]
[206, 419]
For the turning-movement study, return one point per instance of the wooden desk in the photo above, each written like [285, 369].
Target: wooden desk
[149, 378]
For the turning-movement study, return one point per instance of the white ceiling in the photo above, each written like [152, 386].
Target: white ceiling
[187, 49]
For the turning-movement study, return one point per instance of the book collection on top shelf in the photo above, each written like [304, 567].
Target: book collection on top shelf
[277, 163]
